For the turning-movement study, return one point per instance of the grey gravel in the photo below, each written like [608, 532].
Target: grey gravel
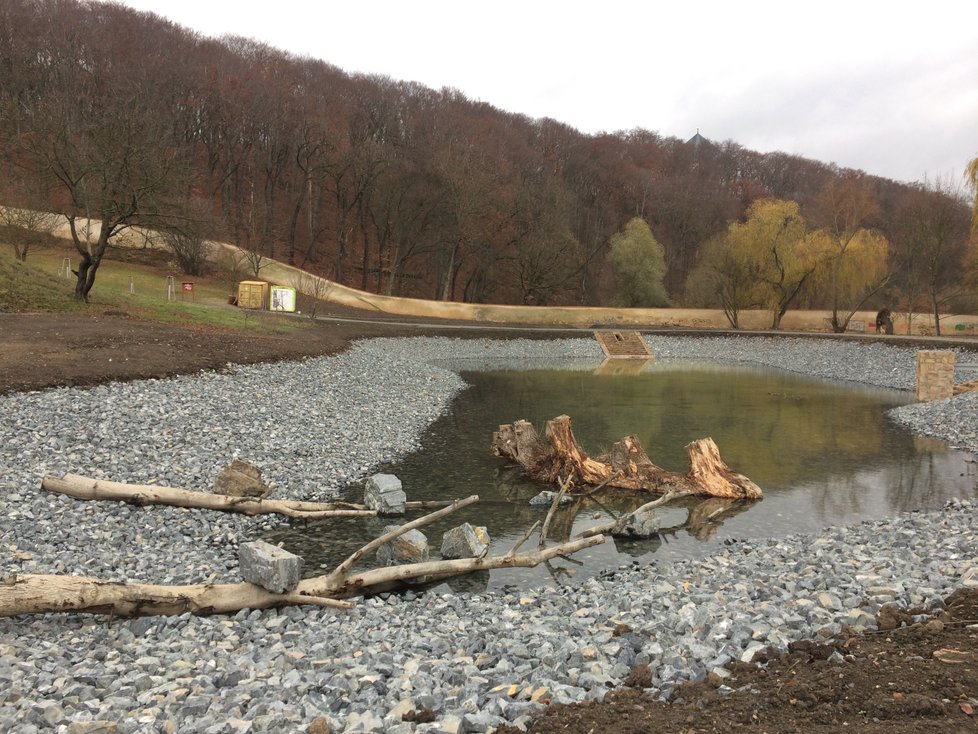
[479, 660]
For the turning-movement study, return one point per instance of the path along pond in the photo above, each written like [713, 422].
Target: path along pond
[824, 452]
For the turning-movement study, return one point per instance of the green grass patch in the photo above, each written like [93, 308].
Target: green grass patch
[130, 282]
[26, 287]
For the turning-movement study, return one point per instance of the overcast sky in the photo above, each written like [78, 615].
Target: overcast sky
[887, 87]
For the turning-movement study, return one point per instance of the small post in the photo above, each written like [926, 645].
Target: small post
[132, 285]
[170, 288]
[65, 267]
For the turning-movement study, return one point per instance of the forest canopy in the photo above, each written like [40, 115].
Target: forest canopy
[393, 187]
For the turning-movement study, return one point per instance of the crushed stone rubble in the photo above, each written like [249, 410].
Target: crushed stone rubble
[476, 661]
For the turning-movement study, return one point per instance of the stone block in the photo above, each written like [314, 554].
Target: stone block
[546, 498]
[383, 492]
[410, 547]
[241, 479]
[642, 525]
[465, 541]
[935, 374]
[269, 566]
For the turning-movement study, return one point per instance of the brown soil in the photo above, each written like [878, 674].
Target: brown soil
[916, 677]
[47, 350]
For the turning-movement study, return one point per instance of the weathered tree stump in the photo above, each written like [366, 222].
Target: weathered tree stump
[557, 455]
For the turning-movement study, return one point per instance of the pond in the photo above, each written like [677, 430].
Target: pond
[824, 453]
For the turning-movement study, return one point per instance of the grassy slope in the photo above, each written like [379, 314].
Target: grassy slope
[35, 286]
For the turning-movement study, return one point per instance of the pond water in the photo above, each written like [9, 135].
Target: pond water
[824, 453]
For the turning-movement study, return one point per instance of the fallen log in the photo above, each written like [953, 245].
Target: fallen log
[40, 593]
[430, 571]
[85, 488]
[557, 454]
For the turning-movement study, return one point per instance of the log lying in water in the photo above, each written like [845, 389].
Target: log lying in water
[557, 455]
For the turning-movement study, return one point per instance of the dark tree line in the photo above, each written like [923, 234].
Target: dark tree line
[385, 185]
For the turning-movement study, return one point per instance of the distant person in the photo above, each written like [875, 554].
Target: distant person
[884, 322]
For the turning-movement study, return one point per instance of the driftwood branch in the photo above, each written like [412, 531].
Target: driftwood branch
[564, 486]
[526, 537]
[340, 571]
[85, 488]
[433, 570]
[38, 593]
[557, 454]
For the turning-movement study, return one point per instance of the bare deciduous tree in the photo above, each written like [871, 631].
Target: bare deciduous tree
[25, 227]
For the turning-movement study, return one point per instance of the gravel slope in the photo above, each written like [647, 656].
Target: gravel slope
[476, 661]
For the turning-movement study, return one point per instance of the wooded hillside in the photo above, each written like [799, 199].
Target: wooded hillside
[388, 185]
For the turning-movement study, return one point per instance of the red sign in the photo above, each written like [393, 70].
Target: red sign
[188, 286]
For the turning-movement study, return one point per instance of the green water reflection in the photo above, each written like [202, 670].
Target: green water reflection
[824, 453]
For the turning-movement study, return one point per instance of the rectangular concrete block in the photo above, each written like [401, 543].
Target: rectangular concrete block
[383, 492]
[935, 374]
[269, 566]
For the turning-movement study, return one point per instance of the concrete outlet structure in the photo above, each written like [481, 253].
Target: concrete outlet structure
[935, 375]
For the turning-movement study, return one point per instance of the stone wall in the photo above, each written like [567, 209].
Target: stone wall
[935, 375]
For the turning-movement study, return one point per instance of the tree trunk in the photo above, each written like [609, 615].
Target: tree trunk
[84, 488]
[448, 285]
[557, 455]
[39, 594]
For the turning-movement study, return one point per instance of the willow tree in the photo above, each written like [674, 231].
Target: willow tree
[763, 262]
[971, 259]
[639, 265]
[854, 270]
[854, 264]
[971, 174]
[725, 277]
[775, 236]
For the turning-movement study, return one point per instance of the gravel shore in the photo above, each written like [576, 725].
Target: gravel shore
[476, 661]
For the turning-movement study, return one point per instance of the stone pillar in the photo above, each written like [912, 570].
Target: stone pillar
[935, 375]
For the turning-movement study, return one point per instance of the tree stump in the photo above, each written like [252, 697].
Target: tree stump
[557, 455]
